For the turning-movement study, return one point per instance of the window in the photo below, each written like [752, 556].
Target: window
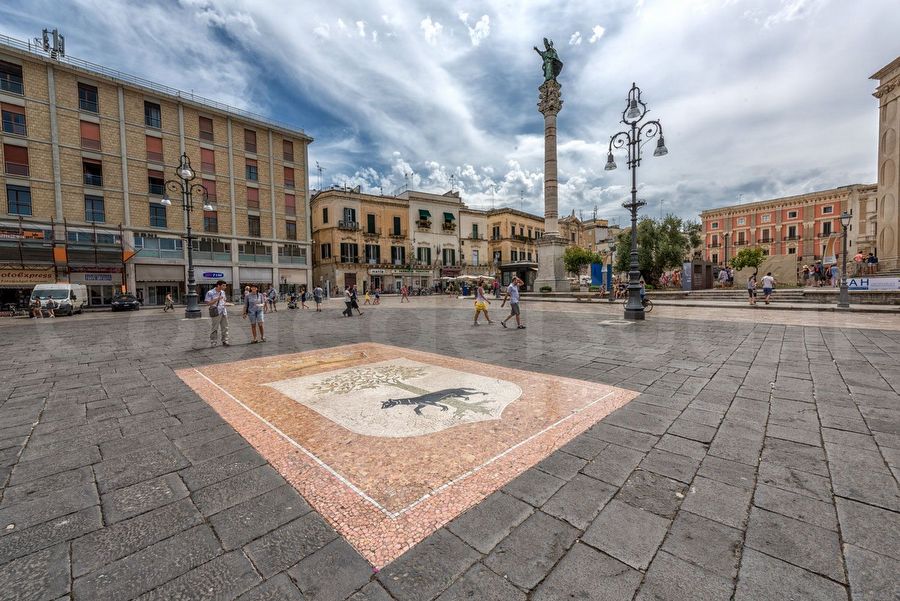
[250, 141]
[766, 218]
[212, 245]
[792, 232]
[18, 200]
[792, 251]
[251, 171]
[206, 129]
[324, 214]
[740, 238]
[827, 210]
[448, 256]
[156, 183]
[210, 185]
[157, 215]
[498, 256]
[288, 177]
[714, 225]
[287, 150]
[397, 230]
[792, 214]
[252, 198]
[292, 253]
[349, 217]
[715, 240]
[210, 221]
[423, 255]
[370, 223]
[14, 120]
[11, 78]
[349, 253]
[742, 221]
[15, 160]
[514, 256]
[88, 98]
[253, 225]
[207, 161]
[290, 204]
[826, 228]
[152, 115]
[398, 255]
[90, 135]
[529, 256]
[373, 253]
[715, 258]
[93, 209]
[765, 236]
[475, 231]
[475, 257]
[154, 149]
[255, 249]
[325, 251]
[290, 230]
[93, 173]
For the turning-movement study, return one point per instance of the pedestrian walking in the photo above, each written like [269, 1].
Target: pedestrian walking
[303, 304]
[751, 288]
[354, 300]
[318, 293]
[496, 286]
[404, 293]
[273, 299]
[168, 303]
[723, 277]
[834, 275]
[768, 284]
[377, 300]
[348, 301]
[36, 310]
[481, 304]
[858, 263]
[368, 299]
[254, 310]
[215, 301]
[512, 295]
[873, 263]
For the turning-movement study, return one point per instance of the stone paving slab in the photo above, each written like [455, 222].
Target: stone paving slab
[760, 462]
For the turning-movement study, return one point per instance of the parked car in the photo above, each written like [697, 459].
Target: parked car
[69, 298]
[125, 302]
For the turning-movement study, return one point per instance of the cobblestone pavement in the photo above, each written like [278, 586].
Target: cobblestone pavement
[760, 461]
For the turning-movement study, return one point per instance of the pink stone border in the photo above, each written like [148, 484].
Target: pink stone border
[379, 536]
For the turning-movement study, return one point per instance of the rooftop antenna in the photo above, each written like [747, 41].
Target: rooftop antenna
[522, 200]
[406, 176]
[595, 212]
[320, 169]
[493, 189]
[580, 215]
[740, 199]
[452, 182]
[52, 42]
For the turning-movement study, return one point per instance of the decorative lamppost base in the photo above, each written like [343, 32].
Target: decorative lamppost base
[635, 314]
[192, 311]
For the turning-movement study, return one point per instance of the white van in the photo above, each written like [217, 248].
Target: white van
[69, 298]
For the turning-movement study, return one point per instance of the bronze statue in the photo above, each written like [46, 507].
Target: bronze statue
[552, 64]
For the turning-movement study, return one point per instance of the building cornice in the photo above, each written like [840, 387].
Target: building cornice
[790, 201]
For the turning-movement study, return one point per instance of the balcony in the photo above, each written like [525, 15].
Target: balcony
[474, 236]
[205, 255]
[791, 238]
[715, 245]
[92, 179]
[741, 243]
[372, 233]
[423, 224]
[292, 259]
[520, 238]
[88, 105]
[12, 84]
[397, 234]
[245, 258]
[766, 241]
[448, 226]
[350, 226]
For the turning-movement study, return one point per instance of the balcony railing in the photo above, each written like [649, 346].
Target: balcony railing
[12, 84]
[372, 232]
[791, 238]
[397, 234]
[715, 245]
[741, 243]
[291, 259]
[423, 224]
[254, 258]
[158, 189]
[766, 241]
[91, 179]
[448, 226]
[474, 236]
[352, 226]
[207, 255]
[520, 238]
[88, 105]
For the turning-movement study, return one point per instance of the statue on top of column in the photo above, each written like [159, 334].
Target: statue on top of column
[552, 65]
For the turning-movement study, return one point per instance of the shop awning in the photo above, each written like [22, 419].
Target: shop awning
[449, 217]
[424, 214]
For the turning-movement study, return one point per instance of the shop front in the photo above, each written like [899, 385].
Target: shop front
[524, 270]
[103, 283]
[16, 283]
[292, 280]
[391, 280]
[154, 282]
[207, 276]
[261, 276]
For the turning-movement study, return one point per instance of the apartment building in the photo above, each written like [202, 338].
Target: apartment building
[87, 153]
[806, 226]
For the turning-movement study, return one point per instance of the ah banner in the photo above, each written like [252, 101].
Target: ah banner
[872, 284]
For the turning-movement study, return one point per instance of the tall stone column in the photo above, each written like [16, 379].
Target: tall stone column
[549, 105]
[888, 223]
[551, 268]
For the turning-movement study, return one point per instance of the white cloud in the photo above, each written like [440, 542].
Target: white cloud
[575, 40]
[361, 28]
[322, 30]
[480, 31]
[597, 32]
[793, 10]
[431, 29]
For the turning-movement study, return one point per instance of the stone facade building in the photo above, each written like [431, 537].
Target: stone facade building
[887, 223]
[86, 155]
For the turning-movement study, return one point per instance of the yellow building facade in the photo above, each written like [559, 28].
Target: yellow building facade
[86, 156]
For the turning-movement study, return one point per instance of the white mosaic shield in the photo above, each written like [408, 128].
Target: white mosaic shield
[400, 398]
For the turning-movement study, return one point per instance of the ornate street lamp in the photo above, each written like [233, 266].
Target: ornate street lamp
[635, 110]
[844, 294]
[186, 174]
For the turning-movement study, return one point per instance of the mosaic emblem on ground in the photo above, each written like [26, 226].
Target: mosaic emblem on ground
[390, 444]
[401, 397]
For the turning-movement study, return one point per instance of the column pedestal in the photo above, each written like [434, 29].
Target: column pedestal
[551, 268]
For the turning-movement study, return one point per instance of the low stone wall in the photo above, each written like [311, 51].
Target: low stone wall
[859, 297]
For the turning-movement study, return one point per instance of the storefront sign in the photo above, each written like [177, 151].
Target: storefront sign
[400, 272]
[213, 275]
[873, 284]
[16, 233]
[27, 277]
[98, 277]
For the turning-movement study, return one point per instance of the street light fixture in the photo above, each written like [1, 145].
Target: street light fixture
[844, 294]
[635, 110]
[186, 174]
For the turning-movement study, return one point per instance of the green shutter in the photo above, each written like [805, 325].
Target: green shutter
[424, 214]
[448, 217]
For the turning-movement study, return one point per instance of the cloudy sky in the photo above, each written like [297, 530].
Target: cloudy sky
[758, 98]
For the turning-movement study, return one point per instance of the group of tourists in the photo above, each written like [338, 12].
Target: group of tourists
[511, 295]
[768, 286]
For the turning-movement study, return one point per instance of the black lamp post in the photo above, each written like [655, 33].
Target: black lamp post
[186, 174]
[725, 260]
[634, 112]
[844, 294]
[612, 262]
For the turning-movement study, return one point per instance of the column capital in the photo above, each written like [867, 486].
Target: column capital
[550, 100]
